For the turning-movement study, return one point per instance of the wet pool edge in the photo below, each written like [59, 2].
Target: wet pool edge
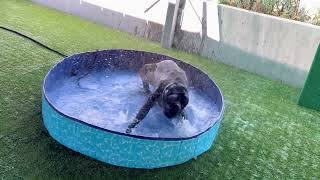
[121, 149]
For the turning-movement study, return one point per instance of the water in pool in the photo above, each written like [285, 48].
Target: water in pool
[111, 100]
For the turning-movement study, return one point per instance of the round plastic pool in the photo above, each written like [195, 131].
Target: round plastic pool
[89, 99]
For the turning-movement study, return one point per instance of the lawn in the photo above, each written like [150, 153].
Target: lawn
[264, 133]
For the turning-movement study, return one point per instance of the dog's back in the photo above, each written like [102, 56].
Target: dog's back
[164, 70]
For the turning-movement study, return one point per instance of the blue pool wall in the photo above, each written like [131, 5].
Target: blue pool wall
[118, 148]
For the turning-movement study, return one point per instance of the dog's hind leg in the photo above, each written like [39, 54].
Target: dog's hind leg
[146, 87]
[184, 115]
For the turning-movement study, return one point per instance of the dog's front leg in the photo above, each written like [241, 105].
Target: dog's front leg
[144, 110]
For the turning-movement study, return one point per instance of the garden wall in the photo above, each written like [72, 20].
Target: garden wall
[274, 47]
[270, 46]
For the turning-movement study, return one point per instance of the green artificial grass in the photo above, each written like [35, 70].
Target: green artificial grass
[264, 133]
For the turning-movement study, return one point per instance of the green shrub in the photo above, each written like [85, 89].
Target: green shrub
[316, 18]
[283, 8]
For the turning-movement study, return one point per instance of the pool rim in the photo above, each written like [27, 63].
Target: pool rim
[218, 118]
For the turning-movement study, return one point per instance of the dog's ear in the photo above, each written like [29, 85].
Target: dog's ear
[183, 95]
[184, 100]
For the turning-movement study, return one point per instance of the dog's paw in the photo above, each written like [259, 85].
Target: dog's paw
[128, 131]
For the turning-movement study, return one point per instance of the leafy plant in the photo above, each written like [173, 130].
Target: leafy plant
[283, 8]
[316, 18]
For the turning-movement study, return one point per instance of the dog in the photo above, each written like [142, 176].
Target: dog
[171, 90]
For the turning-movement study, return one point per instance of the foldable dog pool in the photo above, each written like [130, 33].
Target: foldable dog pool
[90, 98]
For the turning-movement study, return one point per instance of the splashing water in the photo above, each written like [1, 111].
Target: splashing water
[111, 101]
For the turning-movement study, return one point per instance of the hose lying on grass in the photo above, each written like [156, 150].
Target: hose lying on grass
[33, 40]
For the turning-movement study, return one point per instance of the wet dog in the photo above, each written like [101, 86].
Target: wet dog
[171, 90]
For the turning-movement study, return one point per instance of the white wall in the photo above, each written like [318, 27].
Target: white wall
[273, 47]
[135, 8]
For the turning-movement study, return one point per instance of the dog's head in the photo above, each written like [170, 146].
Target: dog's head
[175, 98]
